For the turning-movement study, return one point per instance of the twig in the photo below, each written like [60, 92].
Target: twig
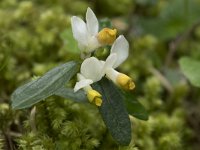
[14, 134]
[32, 119]
[9, 140]
[162, 79]
[175, 43]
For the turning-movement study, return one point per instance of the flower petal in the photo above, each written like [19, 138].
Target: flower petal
[81, 84]
[92, 22]
[79, 30]
[110, 61]
[112, 74]
[121, 48]
[80, 77]
[91, 68]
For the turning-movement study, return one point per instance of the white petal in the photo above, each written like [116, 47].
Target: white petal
[80, 77]
[91, 68]
[81, 84]
[110, 61]
[121, 48]
[112, 74]
[92, 22]
[102, 62]
[79, 30]
[93, 43]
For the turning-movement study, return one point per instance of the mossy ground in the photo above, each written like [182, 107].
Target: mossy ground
[31, 43]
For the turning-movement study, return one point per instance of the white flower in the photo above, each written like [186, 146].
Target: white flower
[90, 72]
[92, 69]
[87, 33]
[118, 54]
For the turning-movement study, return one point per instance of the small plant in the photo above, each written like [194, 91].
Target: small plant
[99, 82]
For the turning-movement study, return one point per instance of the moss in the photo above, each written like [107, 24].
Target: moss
[31, 44]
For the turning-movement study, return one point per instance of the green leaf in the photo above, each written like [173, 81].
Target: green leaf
[68, 93]
[70, 44]
[134, 107]
[113, 112]
[191, 69]
[43, 87]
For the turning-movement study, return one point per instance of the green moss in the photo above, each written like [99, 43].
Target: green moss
[31, 44]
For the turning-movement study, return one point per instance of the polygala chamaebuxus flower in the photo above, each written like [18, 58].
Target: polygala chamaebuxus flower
[118, 54]
[92, 95]
[92, 70]
[87, 33]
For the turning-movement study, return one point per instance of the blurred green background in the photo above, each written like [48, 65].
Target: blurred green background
[36, 35]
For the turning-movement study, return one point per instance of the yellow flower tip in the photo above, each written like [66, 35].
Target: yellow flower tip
[98, 101]
[112, 32]
[94, 97]
[107, 36]
[125, 82]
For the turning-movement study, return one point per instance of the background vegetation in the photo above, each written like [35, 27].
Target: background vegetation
[35, 36]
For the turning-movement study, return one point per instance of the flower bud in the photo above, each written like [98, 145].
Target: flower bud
[107, 36]
[94, 97]
[125, 82]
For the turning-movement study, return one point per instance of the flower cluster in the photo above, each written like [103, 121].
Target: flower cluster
[89, 38]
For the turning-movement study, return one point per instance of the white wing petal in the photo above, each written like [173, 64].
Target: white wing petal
[81, 84]
[79, 30]
[110, 61]
[80, 77]
[92, 22]
[91, 68]
[121, 48]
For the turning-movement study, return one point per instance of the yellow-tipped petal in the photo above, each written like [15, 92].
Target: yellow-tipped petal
[107, 36]
[94, 97]
[98, 101]
[125, 82]
[92, 94]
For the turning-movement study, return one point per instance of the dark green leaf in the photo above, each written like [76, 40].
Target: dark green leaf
[43, 87]
[191, 69]
[113, 112]
[134, 107]
[68, 93]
